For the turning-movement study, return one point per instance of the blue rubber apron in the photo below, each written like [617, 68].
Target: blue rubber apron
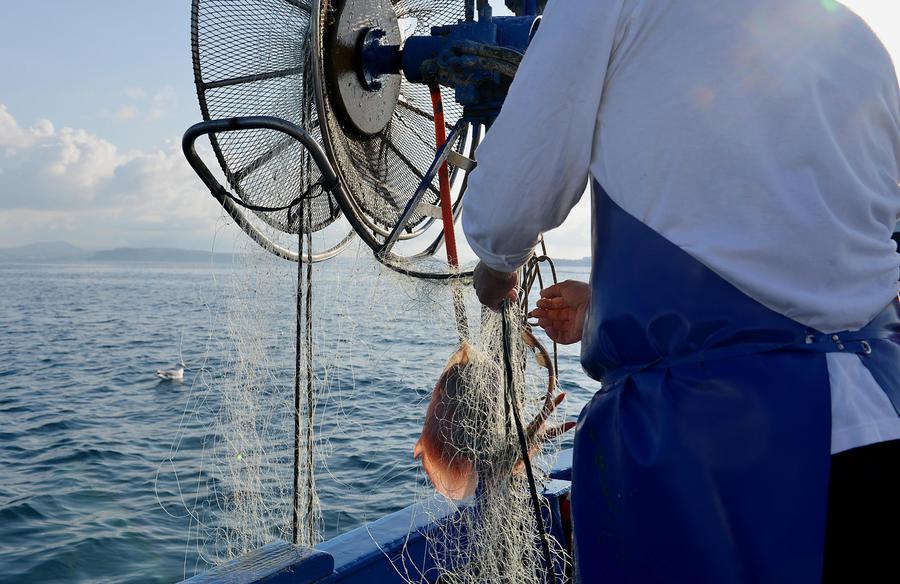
[705, 456]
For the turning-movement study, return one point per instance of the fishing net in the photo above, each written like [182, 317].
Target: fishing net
[495, 536]
[380, 341]
[241, 408]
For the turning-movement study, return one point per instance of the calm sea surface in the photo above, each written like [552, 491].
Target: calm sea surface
[92, 488]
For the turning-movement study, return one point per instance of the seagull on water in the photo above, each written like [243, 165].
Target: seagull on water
[176, 374]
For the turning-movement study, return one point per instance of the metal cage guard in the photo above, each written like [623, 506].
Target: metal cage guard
[220, 193]
[330, 184]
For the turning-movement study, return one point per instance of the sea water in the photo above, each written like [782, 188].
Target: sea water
[86, 427]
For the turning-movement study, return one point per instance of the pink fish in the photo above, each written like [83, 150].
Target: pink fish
[444, 448]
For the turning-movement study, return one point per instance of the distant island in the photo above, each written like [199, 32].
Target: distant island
[60, 251]
[564, 262]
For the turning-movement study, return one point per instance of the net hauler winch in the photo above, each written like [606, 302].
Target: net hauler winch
[477, 58]
[327, 108]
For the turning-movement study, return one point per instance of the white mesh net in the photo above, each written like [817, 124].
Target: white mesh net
[380, 344]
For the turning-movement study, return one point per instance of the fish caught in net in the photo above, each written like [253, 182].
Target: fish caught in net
[470, 451]
[464, 414]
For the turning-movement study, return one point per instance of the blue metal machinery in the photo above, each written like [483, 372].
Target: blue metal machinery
[477, 58]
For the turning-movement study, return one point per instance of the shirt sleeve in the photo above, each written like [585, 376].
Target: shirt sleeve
[534, 162]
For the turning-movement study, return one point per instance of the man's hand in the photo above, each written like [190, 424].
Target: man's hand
[561, 310]
[493, 287]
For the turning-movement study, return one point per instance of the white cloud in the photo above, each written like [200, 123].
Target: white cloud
[162, 103]
[142, 106]
[12, 136]
[70, 184]
[134, 93]
[45, 167]
[126, 113]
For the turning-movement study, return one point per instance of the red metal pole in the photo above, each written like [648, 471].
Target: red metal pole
[440, 136]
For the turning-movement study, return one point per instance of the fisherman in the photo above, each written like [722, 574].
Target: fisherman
[742, 315]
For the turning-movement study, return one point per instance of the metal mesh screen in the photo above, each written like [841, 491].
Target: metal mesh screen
[251, 58]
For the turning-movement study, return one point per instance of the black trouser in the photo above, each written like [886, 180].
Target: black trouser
[862, 540]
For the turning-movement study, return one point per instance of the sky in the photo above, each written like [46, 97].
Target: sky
[94, 98]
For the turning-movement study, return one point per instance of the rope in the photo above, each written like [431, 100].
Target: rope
[303, 362]
[288, 207]
[295, 519]
[531, 271]
[511, 404]
[310, 396]
[442, 277]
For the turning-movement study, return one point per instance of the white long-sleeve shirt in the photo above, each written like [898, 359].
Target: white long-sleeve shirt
[762, 137]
